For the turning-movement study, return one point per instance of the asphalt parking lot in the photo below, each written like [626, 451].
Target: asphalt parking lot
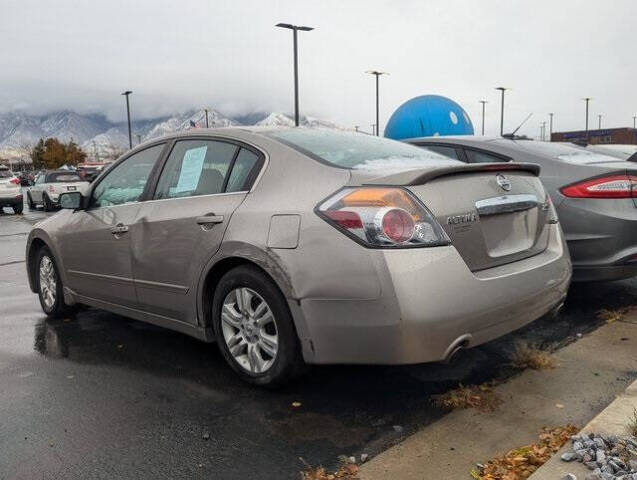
[98, 395]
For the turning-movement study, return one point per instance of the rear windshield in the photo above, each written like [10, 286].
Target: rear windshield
[5, 173]
[355, 150]
[566, 152]
[63, 177]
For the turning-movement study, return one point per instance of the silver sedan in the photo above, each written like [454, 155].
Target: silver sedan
[294, 246]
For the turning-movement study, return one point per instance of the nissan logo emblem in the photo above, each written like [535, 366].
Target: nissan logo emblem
[503, 181]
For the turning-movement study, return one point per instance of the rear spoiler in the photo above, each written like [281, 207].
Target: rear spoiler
[420, 176]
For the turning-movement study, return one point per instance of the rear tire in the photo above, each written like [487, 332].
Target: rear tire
[30, 203]
[257, 327]
[46, 203]
[49, 285]
[18, 208]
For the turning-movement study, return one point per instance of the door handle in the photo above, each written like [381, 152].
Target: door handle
[209, 219]
[119, 229]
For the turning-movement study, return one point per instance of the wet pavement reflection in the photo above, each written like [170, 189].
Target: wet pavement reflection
[97, 394]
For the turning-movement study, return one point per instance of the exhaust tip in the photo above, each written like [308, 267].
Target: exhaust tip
[456, 347]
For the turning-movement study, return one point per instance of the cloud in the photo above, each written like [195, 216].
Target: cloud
[229, 55]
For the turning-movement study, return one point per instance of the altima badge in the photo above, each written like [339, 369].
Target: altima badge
[503, 182]
[464, 218]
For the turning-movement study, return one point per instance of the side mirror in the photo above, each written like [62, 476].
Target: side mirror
[71, 200]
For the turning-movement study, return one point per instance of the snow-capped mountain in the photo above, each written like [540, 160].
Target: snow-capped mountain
[67, 126]
[183, 122]
[278, 119]
[102, 139]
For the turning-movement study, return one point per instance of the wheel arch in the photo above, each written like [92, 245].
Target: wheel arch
[37, 240]
[231, 257]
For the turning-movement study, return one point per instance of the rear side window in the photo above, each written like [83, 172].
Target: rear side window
[446, 151]
[195, 167]
[355, 150]
[243, 171]
[63, 177]
[475, 156]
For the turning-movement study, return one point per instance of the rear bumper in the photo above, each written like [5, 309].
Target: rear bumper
[431, 302]
[7, 199]
[604, 273]
[601, 236]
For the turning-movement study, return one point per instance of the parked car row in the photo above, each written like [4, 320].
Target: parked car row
[298, 246]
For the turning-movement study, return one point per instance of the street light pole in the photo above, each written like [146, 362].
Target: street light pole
[502, 90]
[634, 119]
[599, 117]
[295, 29]
[483, 102]
[377, 74]
[551, 127]
[587, 100]
[206, 110]
[130, 135]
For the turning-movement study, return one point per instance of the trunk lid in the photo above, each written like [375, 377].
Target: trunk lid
[494, 214]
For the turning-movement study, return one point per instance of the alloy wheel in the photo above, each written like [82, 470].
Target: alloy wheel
[48, 282]
[249, 330]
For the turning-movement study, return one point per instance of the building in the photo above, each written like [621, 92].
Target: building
[605, 135]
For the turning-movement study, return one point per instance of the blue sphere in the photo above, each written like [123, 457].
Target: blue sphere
[428, 116]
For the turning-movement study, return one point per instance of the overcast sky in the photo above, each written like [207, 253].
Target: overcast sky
[227, 54]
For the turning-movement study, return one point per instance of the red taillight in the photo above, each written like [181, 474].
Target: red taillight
[385, 217]
[398, 225]
[345, 219]
[15, 181]
[612, 186]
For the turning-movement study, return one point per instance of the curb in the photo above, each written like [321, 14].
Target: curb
[610, 421]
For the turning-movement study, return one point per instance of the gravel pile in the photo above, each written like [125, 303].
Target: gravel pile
[608, 457]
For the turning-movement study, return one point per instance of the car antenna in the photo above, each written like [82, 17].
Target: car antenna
[512, 135]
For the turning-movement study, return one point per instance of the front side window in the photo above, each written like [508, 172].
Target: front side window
[475, 156]
[356, 150]
[195, 167]
[125, 183]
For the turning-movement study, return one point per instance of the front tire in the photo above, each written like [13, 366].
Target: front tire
[30, 203]
[49, 285]
[254, 328]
